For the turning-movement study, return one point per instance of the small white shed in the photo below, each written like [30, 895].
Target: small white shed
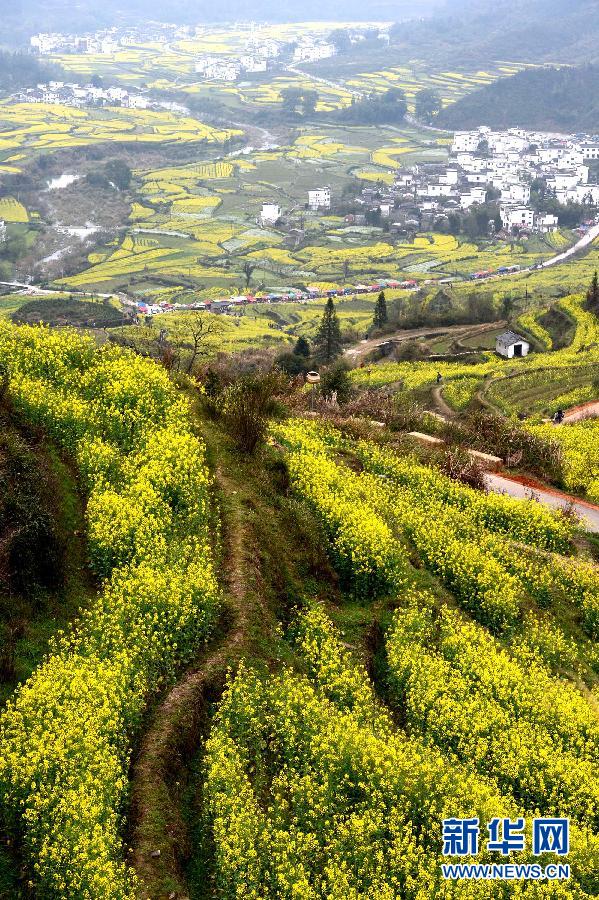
[510, 345]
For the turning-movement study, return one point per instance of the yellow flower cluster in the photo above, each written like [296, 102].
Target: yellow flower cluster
[369, 558]
[535, 735]
[474, 543]
[313, 793]
[65, 736]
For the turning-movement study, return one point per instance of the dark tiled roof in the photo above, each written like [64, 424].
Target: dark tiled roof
[510, 337]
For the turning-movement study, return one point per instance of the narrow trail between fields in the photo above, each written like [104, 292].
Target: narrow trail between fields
[265, 557]
[441, 406]
[160, 840]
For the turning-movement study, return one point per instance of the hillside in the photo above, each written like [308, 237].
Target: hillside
[552, 99]
[380, 617]
[30, 16]
[535, 31]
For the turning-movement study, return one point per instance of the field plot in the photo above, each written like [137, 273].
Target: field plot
[535, 386]
[12, 211]
[203, 221]
[45, 127]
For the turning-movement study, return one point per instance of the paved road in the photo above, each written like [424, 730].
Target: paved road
[584, 241]
[33, 289]
[588, 513]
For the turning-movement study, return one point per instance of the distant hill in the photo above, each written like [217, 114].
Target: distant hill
[551, 99]
[565, 31]
[19, 20]
[472, 32]
[21, 70]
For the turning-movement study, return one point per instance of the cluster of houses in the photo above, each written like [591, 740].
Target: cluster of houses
[311, 50]
[258, 55]
[424, 195]
[106, 41]
[510, 161]
[59, 93]
[230, 68]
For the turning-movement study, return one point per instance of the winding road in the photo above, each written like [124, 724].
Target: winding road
[585, 241]
[588, 513]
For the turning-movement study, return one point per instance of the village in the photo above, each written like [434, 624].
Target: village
[59, 93]
[484, 167]
[501, 167]
[257, 53]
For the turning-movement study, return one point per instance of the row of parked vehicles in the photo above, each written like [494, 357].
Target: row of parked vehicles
[297, 296]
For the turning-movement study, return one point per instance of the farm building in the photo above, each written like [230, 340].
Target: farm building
[510, 344]
[271, 213]
[319, 198]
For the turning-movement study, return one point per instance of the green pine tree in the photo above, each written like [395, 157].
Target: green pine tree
[593, 295]
[327, 343]
[380, 316]
[302, 347]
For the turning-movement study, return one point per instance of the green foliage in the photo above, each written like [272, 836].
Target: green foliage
[21, 70]
[545, 98]
[68, 311]
[246, 405]
[593, 295]
[428, 104]
[327, 341]
[335, 381]
[65, 736]
[390, 107]
[302, 347]
[380, 317]
[118, 173]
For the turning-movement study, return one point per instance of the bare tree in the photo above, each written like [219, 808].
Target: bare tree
[346, 270]
[201, 330]
[248, 270]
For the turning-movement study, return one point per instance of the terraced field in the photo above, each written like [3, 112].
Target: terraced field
[535, 386]
[30, 128]
[201, 221]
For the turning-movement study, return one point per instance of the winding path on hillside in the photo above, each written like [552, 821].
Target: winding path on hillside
[585, 241]
[362, 348]
[583, 411]
[527, 489]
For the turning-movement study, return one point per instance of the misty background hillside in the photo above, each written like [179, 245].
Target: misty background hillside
[27, 16]
[550, 99]
[543, 30]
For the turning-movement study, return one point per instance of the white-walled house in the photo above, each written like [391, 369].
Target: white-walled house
[473, 196]
[116, 94]
[516, 192]
[466, 141]
[590, 149]
[136, 101]
[510, 345]
[3, 231]
[517, 217]
[310, 52]
[253, 63]
[546, 223]
[271, 213]
[320, 198]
